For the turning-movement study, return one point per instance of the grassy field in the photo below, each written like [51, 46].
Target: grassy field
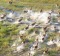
[35, 4]
[9, 32]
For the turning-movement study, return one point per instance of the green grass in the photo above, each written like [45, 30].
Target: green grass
[35, 4]
[7, 32]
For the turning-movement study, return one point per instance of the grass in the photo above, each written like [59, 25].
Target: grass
[1, 12]
[19, 5]
[35, 4]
